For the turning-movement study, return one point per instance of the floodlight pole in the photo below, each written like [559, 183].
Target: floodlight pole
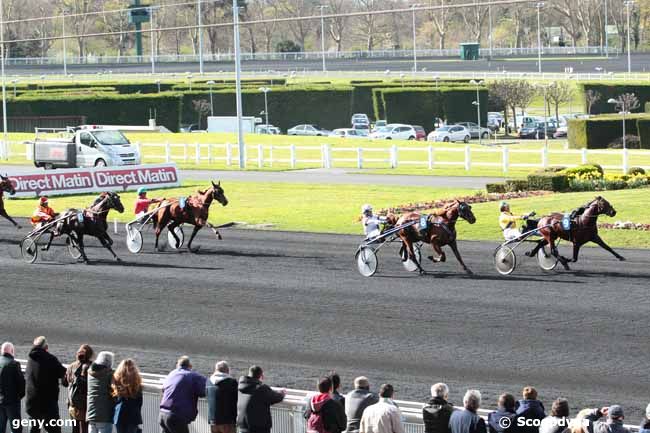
[240, 130]
[539, 6]
[200, 30]
[322, 35]
[4, 148]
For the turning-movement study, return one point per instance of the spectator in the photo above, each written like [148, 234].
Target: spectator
[438, 410]
[504, 419]
[645, 424]
[384, 416]
[614, 423]
[357, 401]
[99, 412]
[181, 392]
[254, 402]
[466, 420]
[336, 385]
[324, 414]
[530, 409]
[558, 421]
[42, 375]
[127, 391]
[12, 388]
[222, 400]
[76, 379]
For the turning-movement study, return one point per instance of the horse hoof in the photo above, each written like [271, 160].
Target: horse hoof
[621, 259]
[469, 272]
[117, 259]
[529, 253]
[19, 227]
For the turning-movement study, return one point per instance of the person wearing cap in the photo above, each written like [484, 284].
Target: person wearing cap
[43, 213]
[100, 407]
[371, 223]
[508, 221]
[645, 424]
[142, 203]
[613, 424]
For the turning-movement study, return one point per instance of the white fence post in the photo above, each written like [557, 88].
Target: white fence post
[260, 156]
[468, 158]
[185, 152]
[625, 161]
[505, 159]
[228, 154]
[430, 156]
[393, 156]
[138, 146]
[168, 151]
[271, 155]
[584, 156]
[359, 157]
[544, 157]
[197, 153]
[28, 151]
[292, 155]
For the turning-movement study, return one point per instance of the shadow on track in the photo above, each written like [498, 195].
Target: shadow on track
[478, 277]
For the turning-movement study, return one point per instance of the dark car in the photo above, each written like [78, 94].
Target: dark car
[537, 130]
[420, 133]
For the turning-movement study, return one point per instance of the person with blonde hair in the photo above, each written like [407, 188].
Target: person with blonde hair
[126, 389]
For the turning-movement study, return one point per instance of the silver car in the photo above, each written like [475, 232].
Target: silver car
[474, 129]
[309, 130]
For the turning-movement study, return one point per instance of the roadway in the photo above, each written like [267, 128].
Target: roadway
[580, 64]
[295, 304]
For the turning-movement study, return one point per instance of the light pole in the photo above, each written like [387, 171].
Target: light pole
[490, 24]
[606, 34]
[539, 7]
[189, 79]
[240, 129]
[401, 76]
[266, 90]
[628, 4]
[3, 148]
[415, 55]
[545, 88]
[200, 30]
[210, 84]
[623, 108]
[158, 84]
[65, 62]
[437, 78]
[153, 43]
[322, 34]
[478, 109]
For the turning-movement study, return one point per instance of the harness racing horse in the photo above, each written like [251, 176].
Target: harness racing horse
[585, 229]
[440, 231]
[195, 213]
[6, 186]
[93, 223]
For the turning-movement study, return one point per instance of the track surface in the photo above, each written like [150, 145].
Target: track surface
[295, 304]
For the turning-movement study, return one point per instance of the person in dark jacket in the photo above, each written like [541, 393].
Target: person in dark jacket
[43, 373]
[100, 402]
[530, 409]
[558, 421]
[12, 388]
[357, 401]
[254, 402]
[76, 379]
[221, 391]
[467, 420]
[181, 392]
[336, 385]
[437, 411]
[127, 392]
[504, 419]
[324, 406]
[613, 424]
[645, 424]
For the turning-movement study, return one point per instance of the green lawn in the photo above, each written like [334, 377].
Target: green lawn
[335, 208]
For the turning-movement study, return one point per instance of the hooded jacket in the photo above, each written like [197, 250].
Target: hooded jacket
[12, 381]
[221, 391]
[42, 375]
[100, 403]
[331, 411]
[436, 414]
[254, 405]
[530, 409]
[355, 403]
[496, 425]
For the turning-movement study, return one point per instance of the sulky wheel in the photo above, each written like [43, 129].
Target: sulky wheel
[73, 247]
[505, 260]
[172, 242]
[133, 240]
[366, 261]
[29, 250]
[545, 259]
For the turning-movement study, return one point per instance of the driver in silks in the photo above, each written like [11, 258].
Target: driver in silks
[142, 203]
[371, 223]
[508, 221]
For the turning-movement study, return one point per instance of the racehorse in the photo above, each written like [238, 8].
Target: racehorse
[195, 212]
[584, 229]
[440, 231]
[92, 223]
[6, 186]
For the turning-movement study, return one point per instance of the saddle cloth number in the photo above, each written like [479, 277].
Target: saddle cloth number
[182, 201]
[423, 222]
[80, 217]
[566, 222]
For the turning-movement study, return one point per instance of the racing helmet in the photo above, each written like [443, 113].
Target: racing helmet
[503, 206]
[366, 208]
[43, 201]
[142, 190]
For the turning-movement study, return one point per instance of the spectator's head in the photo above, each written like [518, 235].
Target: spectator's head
[361, 382]
[256, 372]
[40, 343]
[336, 380]
[440, 390]
[84, 353]
[184, 362]
[507, 402]
[647, 411]
[105, 358]
[7, 349]
[615, 413]
[560, 408]
[472, 400]
[529, 393]
[324, 384]
[576, 424]
[221, 367]
[126, 380]
[386, 391]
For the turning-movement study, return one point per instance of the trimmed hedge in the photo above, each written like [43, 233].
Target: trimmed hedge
[614, 90]
[643, 131]
[548, 182]
[516, 185]
[103, 108]
[496, 188]
[599, 132]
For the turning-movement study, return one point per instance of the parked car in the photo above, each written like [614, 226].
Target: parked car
[536, 130]
[346, 133]
[450, 133]
[561, 132]
[360, 118]
[362, 129]
[378, 124]
[496, 115]
[494, 123]
[420, 133]
[474, 129]
[395, 131]
[267, 129]
[312, 130]
[523, 121]
[189, 127]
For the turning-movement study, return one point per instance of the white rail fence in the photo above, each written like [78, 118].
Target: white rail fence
[327, 156]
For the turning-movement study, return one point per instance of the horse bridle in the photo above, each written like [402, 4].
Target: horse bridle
[106, 197]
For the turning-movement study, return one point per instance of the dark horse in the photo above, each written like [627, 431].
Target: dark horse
[93, 222]
[194, 213]
[584, 228]
[6, 186]
[440, 231]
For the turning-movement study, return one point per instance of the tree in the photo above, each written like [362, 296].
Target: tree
[592, 96]
[299, 8]
[287, 46]
[523, 93]
[627, 102]
[503, 91]
[369, 27]
[80, 19]
[116, 23]
[559, 92]
[338, 25]
[440, 20]
[202, 108]
[474, 18]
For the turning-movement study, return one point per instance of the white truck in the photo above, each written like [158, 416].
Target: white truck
[229, 124]
[74, 147]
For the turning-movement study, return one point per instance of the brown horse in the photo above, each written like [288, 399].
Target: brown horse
[584, 228]
[6, 186]
[195, 213]
[440, 231]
